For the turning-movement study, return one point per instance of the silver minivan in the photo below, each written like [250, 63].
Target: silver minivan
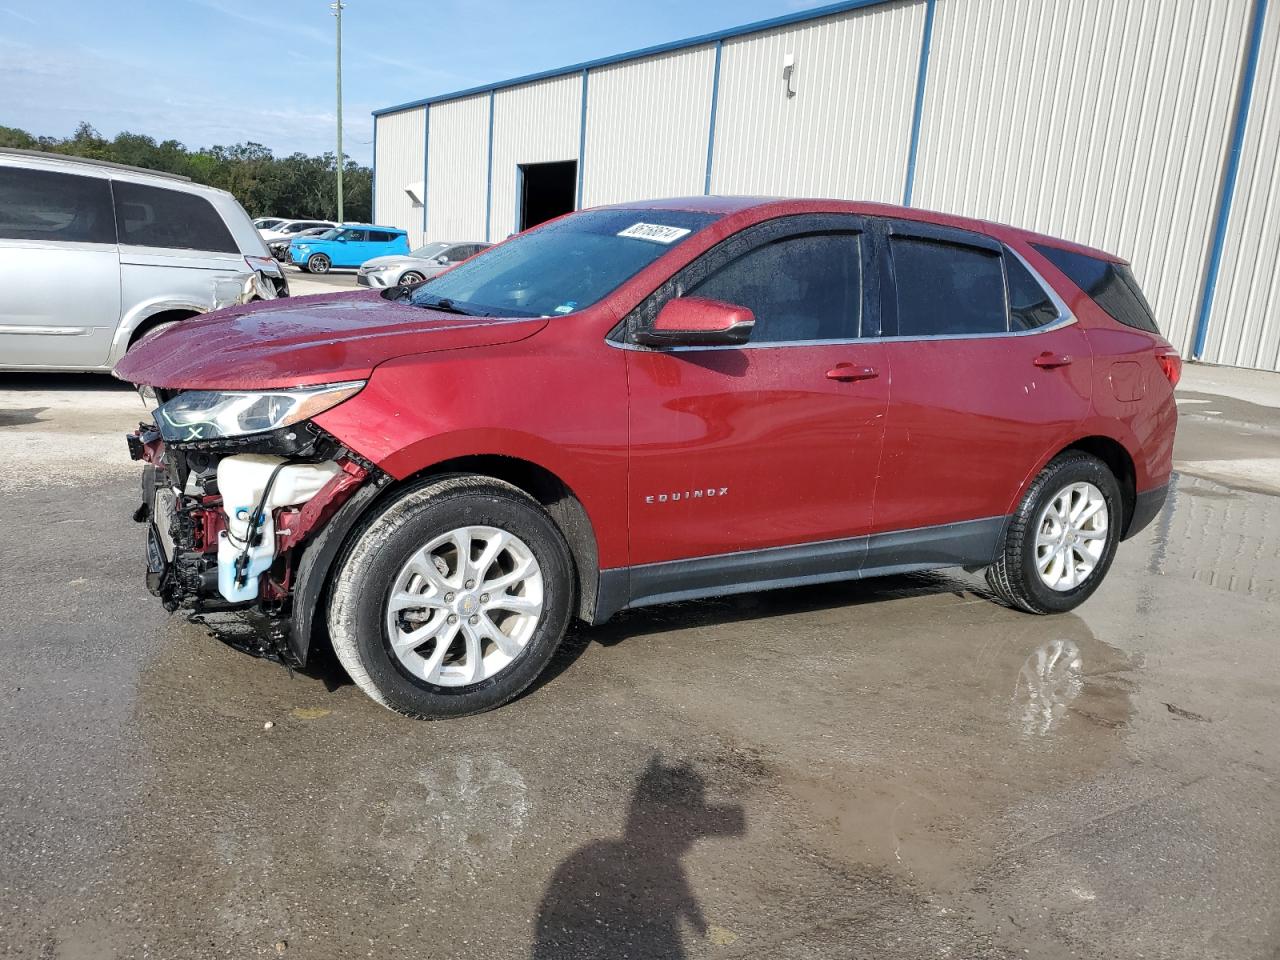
[94, 255]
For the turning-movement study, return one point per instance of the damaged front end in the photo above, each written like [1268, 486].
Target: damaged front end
[231, 512]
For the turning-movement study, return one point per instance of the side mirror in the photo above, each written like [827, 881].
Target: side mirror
[698, 322]
[341, 238]
[442, 259]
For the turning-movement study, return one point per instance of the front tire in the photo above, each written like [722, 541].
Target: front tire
[1062, 539]
[318, 263]
[453, 599]
[410, 278]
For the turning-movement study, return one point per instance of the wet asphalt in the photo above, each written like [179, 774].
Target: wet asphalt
[889, 769]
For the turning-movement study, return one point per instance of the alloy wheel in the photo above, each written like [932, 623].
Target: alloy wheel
[464, 606]
[1071, 536]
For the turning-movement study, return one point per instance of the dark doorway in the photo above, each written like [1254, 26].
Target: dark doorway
[546, 190]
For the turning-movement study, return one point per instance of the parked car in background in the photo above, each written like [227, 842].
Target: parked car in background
[347, 246]
[280, 248]
[646, 403]
[95, 255]
[267, 223]
[288, 229]
[414, 267]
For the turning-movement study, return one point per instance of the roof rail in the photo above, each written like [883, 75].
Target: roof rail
[68, 158]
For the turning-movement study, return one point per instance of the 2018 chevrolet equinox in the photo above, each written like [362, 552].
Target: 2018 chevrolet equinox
[645, 403]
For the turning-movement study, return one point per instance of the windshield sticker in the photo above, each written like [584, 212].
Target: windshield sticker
[653, 232]
[567, 307]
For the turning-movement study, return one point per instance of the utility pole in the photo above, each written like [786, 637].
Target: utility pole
[336, 7]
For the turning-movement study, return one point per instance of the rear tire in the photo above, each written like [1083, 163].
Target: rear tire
[1061, 540]
[318, 263]
[412, 552]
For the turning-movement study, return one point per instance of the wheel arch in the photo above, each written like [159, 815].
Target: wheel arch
[322, 555]
[555, 496]
[163, 316]
[1110, 451]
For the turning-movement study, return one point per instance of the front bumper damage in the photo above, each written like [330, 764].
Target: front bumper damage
[206, 556]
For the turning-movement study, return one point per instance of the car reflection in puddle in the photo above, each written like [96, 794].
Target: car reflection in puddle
[1049, 681]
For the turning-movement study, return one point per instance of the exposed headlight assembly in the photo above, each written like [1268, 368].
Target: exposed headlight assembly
[213, 414]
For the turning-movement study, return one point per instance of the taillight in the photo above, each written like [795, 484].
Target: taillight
[1171, 364]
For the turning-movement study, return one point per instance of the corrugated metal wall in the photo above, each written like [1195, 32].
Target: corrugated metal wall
[1244, 327]
[534, 123]
[399, 164]
[846, 131]
[1094, 120]
[1103, 121]
[458, 168]
[647, 126]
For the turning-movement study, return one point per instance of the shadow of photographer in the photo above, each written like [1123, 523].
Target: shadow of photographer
[630, 896]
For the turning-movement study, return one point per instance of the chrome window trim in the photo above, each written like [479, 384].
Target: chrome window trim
[1062, 321]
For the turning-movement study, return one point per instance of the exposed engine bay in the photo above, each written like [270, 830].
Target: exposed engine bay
[229, 520]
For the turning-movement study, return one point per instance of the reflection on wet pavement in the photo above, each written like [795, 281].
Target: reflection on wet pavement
[891, 769]
[1048, 682]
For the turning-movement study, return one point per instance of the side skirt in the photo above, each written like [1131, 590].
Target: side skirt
[970, 543]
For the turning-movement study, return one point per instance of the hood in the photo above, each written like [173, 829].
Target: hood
[306, 340]
[392, 260]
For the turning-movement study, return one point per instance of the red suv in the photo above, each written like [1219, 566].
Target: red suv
[644, 403]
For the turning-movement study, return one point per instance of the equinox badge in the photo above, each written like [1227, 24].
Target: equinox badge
[687, 495]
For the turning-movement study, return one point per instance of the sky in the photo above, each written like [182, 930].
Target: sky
[211, 72]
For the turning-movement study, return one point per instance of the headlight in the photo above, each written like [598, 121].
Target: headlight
[211, 414]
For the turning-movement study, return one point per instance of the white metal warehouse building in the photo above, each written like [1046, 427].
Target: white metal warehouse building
[1149, 128]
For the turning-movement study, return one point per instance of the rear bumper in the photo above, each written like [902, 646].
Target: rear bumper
[1146, 508]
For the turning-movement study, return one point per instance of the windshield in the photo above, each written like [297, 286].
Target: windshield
[329, 234]
[430, 250]
[563, 267]
[266, 223]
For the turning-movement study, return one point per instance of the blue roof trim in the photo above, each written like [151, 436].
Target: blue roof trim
[817, 13]
[917, 113]
[711, 126]
[1244, 100]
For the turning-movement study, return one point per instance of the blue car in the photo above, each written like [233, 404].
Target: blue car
[346, 246]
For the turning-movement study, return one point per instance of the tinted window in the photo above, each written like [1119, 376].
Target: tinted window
[155, 217]
[799, 288]
[1029, 304]
[356, 236]
[947, 289]
[563, 266]
[1111, 285]
[430, 250]
[42, 205]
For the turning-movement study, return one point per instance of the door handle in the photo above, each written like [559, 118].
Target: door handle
[1048, 360]
[847, 372]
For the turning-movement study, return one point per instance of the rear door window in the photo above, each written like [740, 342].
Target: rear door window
[800, 288]
[1029, 303]
[1110, 285]
[947, 289]
[149, 216]
[45, 205]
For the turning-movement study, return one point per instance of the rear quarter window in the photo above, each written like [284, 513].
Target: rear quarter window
[44, 205]
[1110, 285]
[155, 217]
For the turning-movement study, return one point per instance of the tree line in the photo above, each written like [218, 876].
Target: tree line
[298, 185]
